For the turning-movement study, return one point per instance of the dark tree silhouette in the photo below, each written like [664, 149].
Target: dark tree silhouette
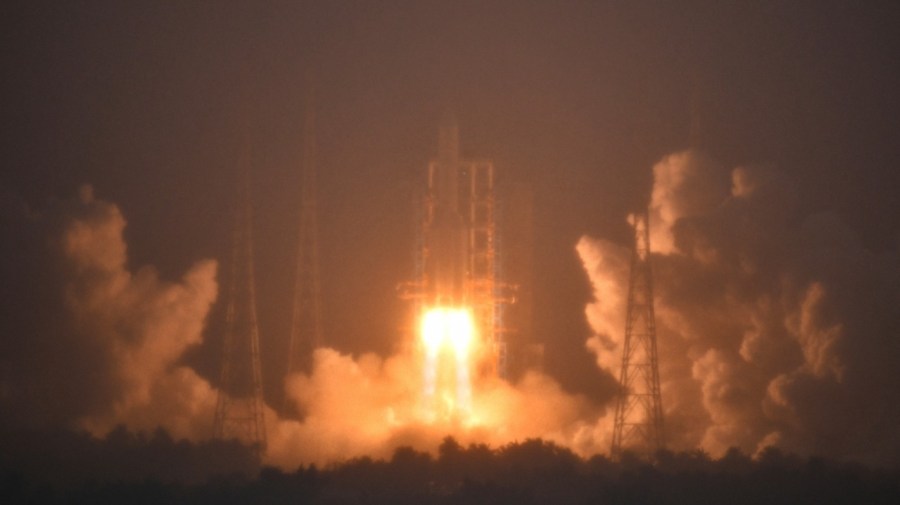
[66, 467]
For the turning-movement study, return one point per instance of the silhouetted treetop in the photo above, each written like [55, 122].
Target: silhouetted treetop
[126, 467]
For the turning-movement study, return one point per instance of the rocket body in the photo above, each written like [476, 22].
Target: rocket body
[447, 235]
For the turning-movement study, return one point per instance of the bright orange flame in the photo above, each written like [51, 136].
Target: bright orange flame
[443, 326]
[447, 336]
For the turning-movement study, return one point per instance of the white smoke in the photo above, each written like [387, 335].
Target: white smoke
[134, 328]
[369, 406]
[772, 329]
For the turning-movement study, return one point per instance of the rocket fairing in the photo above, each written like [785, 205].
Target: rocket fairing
[447, 236]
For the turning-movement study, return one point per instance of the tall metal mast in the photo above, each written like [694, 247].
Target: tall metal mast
[240, 407]
[306, 325]
[639, 416]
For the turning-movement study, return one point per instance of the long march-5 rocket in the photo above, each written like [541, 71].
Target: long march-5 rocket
[446, 238]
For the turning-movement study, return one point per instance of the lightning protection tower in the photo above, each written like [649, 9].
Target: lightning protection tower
[239, 408]
[639, 417]
[306, 323]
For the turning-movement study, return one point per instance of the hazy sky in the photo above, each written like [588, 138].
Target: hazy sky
[148, 101]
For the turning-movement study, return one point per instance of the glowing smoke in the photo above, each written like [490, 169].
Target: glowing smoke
[111, 354]
[369, 406]
[143, 324]
[772, 329]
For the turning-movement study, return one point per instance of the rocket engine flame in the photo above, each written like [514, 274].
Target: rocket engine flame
[447, 336]
[445, 326]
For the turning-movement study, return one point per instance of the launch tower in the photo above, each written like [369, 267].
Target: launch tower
[239, 407]
[639, 417]
[306, 325]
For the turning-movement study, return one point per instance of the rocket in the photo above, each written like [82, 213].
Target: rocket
[447, 236]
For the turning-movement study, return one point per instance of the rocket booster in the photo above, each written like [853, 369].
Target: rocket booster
[447, 235]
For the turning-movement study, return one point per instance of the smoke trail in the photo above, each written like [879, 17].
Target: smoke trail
[773, 329]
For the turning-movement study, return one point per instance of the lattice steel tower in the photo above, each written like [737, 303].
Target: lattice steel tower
[639, 416]
[306, 325]
[240, 407]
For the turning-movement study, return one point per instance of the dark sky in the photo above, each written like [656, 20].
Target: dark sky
[148, 101]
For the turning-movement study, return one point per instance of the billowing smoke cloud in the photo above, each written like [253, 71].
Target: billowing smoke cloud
[101, 344]
[369, 406]
[772, 329]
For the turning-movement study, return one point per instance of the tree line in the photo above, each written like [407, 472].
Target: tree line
[67, 467]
